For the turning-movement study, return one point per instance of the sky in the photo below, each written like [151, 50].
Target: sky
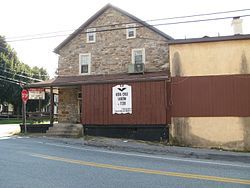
[32, 17]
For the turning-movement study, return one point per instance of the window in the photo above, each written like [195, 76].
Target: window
[84, 63]
[91, 35]
[131, 31]
[138, 56]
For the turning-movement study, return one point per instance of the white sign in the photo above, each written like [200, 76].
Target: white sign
[122, 99]
[36, 94]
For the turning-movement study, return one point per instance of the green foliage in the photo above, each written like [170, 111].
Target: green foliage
[14, 75]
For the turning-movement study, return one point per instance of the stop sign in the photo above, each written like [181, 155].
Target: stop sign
[25, 95]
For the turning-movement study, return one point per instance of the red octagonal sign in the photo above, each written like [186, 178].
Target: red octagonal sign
[25, 95]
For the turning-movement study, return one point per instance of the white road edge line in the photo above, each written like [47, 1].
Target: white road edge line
[148, 156]
[5, 137]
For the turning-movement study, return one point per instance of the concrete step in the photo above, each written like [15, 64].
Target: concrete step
[67, 125]
[68, 135]
[65, 130]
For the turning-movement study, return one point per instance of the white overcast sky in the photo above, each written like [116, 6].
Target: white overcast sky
[29, 17]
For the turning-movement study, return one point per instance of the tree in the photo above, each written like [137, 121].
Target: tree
[14, 74]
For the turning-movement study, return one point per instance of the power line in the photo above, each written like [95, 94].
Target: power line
[43, 37]
[47, 33]
[12, 80]
[21, 73]
[121, 28]
[199, 15]
[16, 74]
[111, 25]
[201, 20]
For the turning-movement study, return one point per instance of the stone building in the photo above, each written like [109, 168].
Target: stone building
[112, 46]
[106, 44]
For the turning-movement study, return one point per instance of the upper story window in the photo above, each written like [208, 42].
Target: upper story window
[91, 35]
[84, 63]
[131, 31]
[138, 55]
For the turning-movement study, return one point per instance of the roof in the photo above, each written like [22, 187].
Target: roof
[209, 39]
[64, 81]
[96, 15]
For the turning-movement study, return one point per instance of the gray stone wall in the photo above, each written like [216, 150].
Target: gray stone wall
[112, 51]
[68, 105]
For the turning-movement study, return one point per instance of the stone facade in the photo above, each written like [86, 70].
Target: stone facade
[112, 51]
[68, 109]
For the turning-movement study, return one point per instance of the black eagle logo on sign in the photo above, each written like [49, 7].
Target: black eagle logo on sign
[121, 89]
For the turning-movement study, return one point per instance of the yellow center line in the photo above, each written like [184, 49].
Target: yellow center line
[146, 171]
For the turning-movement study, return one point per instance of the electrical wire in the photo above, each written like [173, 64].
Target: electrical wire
[16, 74]
[47, 33]
[123, 28]
[21, 73]
[199, 15]
[12, 80]
[151, 20]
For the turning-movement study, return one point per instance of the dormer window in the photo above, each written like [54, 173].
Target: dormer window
[91, 35]
[131, 31]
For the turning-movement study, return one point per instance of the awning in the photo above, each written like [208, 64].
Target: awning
[66, 81]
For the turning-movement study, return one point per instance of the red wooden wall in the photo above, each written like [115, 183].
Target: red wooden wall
[203, 96]
[148, 104]
[154, 102]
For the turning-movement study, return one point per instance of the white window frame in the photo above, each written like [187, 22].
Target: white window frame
[80, 63]
[91, 31]
[128, 26]
[143, 54]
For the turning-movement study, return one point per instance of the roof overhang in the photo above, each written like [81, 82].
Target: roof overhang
[73, 81]
[209, 39]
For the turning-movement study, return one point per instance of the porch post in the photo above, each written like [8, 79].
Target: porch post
[51, 106]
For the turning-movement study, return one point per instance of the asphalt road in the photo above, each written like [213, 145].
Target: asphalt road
[42, 163]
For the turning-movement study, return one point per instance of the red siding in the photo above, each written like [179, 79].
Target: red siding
[148, 104]
[210, 96]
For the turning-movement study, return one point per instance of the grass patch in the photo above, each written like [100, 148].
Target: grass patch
[10, 121]
[20, 121]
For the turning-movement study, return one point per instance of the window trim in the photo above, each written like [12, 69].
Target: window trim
[89, 63]
[128, 29]
[143, 54]
[91, 31]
